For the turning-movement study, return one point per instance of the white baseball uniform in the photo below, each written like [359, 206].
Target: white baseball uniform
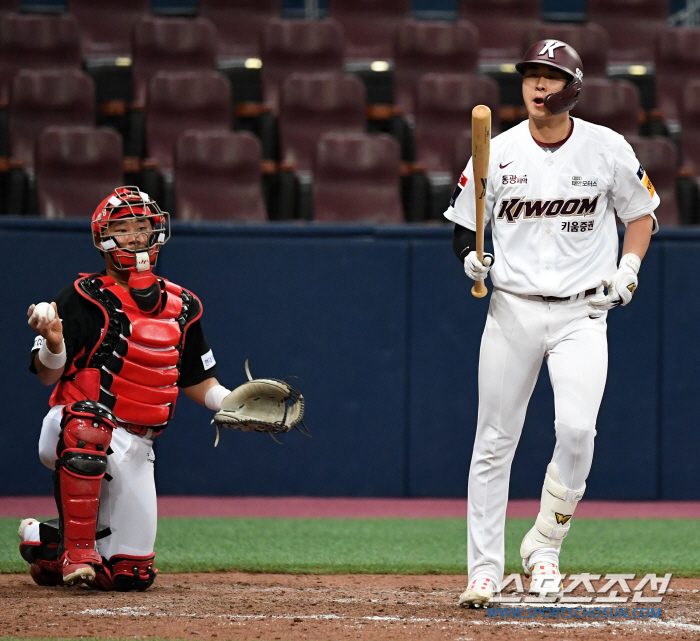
[552, 214]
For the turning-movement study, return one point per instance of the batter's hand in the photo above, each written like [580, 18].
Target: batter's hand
[476, 270]
[621, 285]
[52, 331]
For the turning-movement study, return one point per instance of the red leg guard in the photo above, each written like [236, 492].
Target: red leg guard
[125, 572]
[44, 567]
[85, 436]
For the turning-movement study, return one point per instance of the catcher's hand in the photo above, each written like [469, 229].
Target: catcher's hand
[262, 405]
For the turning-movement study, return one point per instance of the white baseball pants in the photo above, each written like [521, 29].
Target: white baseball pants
[519, 333]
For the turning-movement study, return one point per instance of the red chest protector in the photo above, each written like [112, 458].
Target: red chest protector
[135, 366]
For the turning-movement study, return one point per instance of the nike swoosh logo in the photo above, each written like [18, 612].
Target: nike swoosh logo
[504, 166]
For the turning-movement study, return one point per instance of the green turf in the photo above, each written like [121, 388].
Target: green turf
[404, 546]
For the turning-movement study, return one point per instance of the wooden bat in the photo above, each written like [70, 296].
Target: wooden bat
[481, 148]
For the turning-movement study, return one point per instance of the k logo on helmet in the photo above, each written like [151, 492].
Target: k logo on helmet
[550, 46]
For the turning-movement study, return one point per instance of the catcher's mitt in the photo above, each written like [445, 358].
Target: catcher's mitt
[262, 405]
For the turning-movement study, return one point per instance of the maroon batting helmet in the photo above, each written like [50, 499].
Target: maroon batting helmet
[562, 56]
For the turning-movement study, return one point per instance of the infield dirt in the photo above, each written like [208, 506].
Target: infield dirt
[228, 606]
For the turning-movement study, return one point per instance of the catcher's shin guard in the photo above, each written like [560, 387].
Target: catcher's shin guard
[554, 520]
[86, 432]
[125, 572]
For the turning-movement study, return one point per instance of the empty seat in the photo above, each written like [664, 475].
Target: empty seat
[357, 178]
[444, 109]
[44, 98]
[677, 61]
[36, 42]
[462, 151]
[240, 24]
[75, 168]
[106, 26]
[590, 41]
[171, 44]
[632, 26]
[290, 46]
[370, 26]
[690, 128]
[425, 47]
[218, 176]
[315, 103]
[502, 25]
[184, 100]
[659, 158]
[611, 103]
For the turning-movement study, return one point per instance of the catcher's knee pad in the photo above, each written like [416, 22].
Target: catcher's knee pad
[125, 572]
[554, 519]
[86, 432]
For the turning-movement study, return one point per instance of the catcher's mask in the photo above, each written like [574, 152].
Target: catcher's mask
[562, 56]
[125, 203]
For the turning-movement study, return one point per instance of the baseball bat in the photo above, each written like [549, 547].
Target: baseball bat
[481, 148]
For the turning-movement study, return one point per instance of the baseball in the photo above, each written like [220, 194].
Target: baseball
[44, 312]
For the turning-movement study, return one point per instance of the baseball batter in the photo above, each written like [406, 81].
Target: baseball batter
[554, 186]
[117, 345]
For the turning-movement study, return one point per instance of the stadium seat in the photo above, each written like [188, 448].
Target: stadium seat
[312, 104]
[290, 46]
[218, 176]
[632, 25]
[444, 109]
[425, 47]
[690, 128]
[44, 98]
[106, 25]
[677, 61]
[611, 103]
[171, 44]
[502, 25]
[357, 178]
[370, 26]
[36, 42]
[184, 100]
[590, 41]
[659, 158]
[240, 24]
[75, 168]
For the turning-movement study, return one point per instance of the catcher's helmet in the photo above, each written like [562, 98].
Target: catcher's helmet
[562, 56]
[130, 202]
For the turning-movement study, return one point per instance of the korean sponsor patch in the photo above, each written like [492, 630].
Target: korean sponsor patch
[461, 184]
[208, 360]
[644, 177]
[584, 181]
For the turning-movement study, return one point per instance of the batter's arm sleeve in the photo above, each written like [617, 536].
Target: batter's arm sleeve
[198, 363]
[463, 241]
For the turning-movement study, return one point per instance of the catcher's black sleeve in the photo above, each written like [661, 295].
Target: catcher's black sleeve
[197, 357]
[463, 241]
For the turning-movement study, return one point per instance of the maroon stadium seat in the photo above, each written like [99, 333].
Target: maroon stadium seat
[611, 103]
[312, 104]
[370, 26]
[36, 42]
[75, 168]
[659, 157]
[425, 47]
[632, 26]
[590, 41]
[502, 25]
[218, 176]
[44, 98]
[690, 127]
[444, 109]
[106, 25]
[677, 61]
[240, 24]
[290, 46]
[462, 152]
[357, 178]
[184, 100]
[171, 44]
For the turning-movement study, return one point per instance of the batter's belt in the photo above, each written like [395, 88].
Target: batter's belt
[554, 299]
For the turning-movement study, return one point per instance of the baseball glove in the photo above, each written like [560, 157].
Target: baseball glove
[262, 405]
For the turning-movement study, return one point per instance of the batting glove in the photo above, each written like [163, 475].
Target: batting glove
[476, 270]
[621, 285]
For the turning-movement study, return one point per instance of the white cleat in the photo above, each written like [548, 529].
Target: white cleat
[479, 593]
[546, 580]
[28, 530]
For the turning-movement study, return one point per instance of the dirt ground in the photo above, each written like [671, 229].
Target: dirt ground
[228, 606]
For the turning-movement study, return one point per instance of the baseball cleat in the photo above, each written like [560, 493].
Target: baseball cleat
[546, 580]
[479, 593]
[74, 573]
[28, 530]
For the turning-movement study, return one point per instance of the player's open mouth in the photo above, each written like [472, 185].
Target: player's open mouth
[539, 101]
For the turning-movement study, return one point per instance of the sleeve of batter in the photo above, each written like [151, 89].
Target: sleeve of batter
[462, 209]
[634, 195]
[198, 361]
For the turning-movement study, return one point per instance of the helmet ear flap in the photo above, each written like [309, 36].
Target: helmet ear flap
[564, 100]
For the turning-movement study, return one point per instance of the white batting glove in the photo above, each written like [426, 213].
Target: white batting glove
[476, 270]
[621, 285]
